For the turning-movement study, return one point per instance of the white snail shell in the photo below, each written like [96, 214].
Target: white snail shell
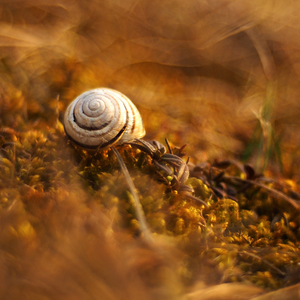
[101, 118]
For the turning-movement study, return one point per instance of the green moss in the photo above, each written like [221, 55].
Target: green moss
[245, 240]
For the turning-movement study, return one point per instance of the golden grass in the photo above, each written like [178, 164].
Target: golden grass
[220, 76]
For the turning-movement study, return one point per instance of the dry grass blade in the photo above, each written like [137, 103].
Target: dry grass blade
[288, 293]
[271, 191]
[264, 261]
[138, 207]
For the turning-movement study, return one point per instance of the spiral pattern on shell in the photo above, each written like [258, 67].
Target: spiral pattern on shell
[101, 118]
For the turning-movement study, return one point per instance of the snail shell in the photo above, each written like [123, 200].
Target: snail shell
[101, 118]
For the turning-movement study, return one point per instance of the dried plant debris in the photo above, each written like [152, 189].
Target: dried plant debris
[227, 223]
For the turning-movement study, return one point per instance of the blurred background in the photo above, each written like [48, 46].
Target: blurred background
[220, 76]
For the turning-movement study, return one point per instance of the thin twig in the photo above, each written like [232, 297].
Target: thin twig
[191, 197]
[138, 207]
[273, 192]
[264, 261]
[168, 145]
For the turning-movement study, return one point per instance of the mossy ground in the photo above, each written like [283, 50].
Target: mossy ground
[253, 238]
[219, 76]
